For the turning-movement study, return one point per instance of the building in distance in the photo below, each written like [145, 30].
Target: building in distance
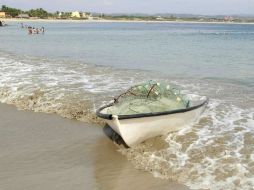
[23, 16]
[76, 14]
[2, 15]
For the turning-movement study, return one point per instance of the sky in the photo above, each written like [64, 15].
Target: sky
[204, 7]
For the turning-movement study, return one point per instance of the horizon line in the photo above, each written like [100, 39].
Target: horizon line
[135, 13]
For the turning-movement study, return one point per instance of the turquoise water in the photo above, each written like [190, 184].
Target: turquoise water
[184, 50]
[74, 68]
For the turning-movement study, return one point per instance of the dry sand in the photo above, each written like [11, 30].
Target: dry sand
[44, 151]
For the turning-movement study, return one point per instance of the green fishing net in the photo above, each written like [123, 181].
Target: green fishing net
[149, 97]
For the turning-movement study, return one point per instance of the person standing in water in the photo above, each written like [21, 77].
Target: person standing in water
[30, 30]
[42, 30]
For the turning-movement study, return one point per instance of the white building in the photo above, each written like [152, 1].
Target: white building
[75, 14]
[23, 16]
[2, 15]
[87, 15]
[59, 15]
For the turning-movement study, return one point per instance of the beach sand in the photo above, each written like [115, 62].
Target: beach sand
[45, 151]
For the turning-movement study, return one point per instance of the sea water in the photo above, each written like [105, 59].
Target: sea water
[75, 67]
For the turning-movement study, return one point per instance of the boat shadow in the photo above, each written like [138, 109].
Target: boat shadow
[112, 135]
[113, 171]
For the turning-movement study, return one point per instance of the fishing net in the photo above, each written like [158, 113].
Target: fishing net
[149, 97]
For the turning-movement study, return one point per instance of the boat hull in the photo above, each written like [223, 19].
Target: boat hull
[136, 130]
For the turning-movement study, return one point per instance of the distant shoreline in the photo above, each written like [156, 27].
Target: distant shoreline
[117, 21]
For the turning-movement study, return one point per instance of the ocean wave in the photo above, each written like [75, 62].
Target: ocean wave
[71, 89]
[215, 153]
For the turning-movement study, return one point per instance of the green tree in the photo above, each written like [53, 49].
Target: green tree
[66, 15]
[10, 11]
[41, 13]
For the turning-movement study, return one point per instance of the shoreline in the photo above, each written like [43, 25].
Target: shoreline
[46, 151]
[118, 21]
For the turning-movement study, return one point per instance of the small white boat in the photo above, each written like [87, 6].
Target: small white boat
[136, 128]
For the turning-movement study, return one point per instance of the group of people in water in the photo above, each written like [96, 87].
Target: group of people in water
[33, 30]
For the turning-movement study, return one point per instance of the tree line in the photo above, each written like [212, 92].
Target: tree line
[13, 12]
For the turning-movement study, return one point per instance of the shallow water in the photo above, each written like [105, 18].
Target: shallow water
[76, 67]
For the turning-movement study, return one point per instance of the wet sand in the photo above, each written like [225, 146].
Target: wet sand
[45, 151]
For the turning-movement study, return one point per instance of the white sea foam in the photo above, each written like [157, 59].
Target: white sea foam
[215, 153]
[71, 89]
